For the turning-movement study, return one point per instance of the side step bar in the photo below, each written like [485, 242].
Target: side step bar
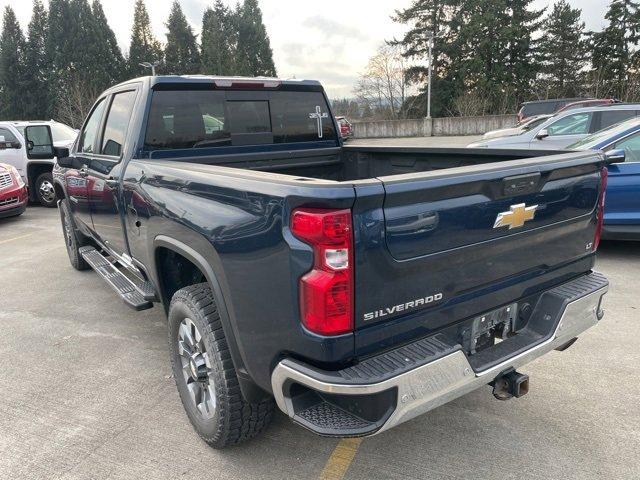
[138, 297]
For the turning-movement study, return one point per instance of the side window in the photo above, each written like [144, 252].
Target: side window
[115, 130]
[6, 137]
[88, 135]
[631, 146]
[575, 124]
[614, 116]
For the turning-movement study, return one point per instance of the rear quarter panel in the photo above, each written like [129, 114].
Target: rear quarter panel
[238, 221]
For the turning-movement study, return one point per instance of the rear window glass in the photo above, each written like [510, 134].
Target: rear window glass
[611, 117]
[542, 108]
[186, 119]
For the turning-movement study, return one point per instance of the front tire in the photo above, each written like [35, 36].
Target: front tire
[45, 191]
[205, 374]
[72, 239]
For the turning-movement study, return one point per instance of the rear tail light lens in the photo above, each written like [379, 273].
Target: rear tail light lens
[603, 190]
[326, 292]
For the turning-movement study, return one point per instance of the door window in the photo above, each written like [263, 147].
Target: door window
[6, 136]
[88, 136]
[614, 116]
[575, 124]
[115, 130]
[631, 146]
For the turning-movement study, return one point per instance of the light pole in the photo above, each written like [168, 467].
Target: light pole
[431, 38]
[152, 66]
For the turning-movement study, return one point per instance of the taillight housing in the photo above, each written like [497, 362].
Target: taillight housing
[600, 220]
[326, 292]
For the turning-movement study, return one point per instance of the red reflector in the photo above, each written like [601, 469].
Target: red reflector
[601, 199]
[326, 292]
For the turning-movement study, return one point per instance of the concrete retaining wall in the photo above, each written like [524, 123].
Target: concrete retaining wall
[437, 127]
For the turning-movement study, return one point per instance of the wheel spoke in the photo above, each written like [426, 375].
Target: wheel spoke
[195, 391]
[186, 336]
[184, 350]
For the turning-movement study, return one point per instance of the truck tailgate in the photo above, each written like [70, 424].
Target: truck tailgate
[454, 243]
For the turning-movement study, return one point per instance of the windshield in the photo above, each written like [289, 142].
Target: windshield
[62, 133]
[59, 131]
[591, 141]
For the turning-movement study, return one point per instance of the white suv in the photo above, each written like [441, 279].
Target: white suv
[35, 173]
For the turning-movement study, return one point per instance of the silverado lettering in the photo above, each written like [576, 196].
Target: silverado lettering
[418, 302]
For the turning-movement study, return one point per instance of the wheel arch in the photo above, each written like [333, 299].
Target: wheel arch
[251, 392]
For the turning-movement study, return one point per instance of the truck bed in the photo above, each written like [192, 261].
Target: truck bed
[354, 163]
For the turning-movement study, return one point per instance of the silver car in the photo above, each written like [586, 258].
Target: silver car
[565, 128]
[524, 126]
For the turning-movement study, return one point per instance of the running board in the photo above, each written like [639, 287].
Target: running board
[138, 297]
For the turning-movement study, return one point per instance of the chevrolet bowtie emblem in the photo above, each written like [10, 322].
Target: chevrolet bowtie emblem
[516, 217]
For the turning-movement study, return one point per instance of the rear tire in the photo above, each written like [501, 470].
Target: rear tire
[72, 239]
[45, 191]
[205, 375]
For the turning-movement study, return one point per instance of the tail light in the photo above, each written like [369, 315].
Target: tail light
[326, 292]
[601, 199]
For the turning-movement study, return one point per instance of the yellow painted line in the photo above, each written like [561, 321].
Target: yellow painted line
[340, 459]
[2, 242]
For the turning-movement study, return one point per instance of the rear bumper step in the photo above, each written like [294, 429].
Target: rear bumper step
[388, 389]
[138, 297]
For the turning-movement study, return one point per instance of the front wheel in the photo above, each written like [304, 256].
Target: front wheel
[45, 191]
[205, 375]
[72, 239]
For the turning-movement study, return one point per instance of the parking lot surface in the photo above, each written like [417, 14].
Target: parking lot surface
[87, 393]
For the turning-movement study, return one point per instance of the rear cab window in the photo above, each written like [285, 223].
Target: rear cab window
[192, 119]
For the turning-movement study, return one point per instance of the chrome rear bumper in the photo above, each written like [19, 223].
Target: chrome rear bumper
[423, 388]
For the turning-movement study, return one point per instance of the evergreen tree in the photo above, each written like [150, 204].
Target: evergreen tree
[254, 56]
[181, 53]
[12, 48]
[563, 50]
[110, 65]
[144, 46]
[218, 41]
[612, 56]
[36, 104]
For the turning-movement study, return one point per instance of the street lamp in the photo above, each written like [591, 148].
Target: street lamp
[431, 36]
[152, 66]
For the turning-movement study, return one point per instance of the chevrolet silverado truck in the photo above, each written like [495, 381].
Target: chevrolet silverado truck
[353, 287]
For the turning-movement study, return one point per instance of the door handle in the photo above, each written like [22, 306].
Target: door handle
[84, 171]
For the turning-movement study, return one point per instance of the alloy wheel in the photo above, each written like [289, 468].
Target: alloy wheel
[196, 368]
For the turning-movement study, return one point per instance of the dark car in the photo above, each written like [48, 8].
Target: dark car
[543, 107]
[355, 287]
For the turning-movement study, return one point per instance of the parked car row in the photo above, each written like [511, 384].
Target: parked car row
[556, 105]
[564, 128]
[35, 172]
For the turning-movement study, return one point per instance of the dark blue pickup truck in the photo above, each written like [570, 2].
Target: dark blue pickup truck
[356, 286]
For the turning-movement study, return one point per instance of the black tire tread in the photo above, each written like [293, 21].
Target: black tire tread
[240, 420]
[75, 258]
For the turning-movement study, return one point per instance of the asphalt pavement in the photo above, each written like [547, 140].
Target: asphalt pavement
[87, 393]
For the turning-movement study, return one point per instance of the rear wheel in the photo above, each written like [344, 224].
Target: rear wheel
[205, 375]
[72, 239]
[45, 191]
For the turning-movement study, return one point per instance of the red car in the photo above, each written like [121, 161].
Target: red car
[589, 103]
[346, 129]
[13, 192]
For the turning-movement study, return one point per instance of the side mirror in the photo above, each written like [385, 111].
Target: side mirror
[39, 142]
[617, 155]
[62, 154]
[544, 133]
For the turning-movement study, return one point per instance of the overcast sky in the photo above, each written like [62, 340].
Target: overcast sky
[327, 40]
